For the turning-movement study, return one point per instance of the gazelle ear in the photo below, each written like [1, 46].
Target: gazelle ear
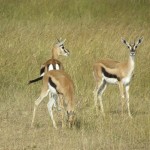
[58, 40]
[125, 42]
[140, 40]
[62, 42]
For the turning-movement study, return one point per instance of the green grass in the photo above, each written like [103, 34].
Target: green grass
[93, 30]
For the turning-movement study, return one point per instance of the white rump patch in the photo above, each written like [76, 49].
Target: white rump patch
[50, 67]
[110, 80]
[57, 67]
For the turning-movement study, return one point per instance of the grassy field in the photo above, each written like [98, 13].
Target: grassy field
[93, 29]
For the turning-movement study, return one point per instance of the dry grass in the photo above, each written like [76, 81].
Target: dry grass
[28, 31]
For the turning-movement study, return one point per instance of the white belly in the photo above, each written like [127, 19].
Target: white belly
[111, 80]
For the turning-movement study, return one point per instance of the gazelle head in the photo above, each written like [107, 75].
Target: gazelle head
[132, 47]
[71, 118]
[61, 50]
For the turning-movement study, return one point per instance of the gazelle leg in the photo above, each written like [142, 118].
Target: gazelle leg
[122, 94]
[37, 102]
[61, 105]
[56, 104]
[127, 99]
[95, 96]
[95, 92]
[51, 95]
[100, 91]
[50, 105]
[97, 79]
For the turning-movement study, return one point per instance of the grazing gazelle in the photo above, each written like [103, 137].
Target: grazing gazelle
[59, 84]
[53, 63]
[114, 72]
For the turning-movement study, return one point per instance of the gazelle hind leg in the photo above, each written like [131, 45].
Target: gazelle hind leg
[50, 106]
[37, 102]
[51, 95]
[61, 105]
[127, 99]
[100, 91]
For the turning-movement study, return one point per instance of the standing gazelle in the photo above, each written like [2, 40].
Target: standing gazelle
[114, 72]
[59, 84]
[53, 63]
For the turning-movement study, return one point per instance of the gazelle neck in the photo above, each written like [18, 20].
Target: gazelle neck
[54, 53]
[132, 59]
[131, 63]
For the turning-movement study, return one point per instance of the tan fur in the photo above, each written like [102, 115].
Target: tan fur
[53, 63]
[64, 86]
[115, 72]
[56, 52]
[65, 91]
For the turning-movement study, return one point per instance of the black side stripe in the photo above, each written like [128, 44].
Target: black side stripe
[109, 75]
[52, 83]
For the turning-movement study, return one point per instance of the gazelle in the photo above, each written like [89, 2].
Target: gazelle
[59, 84]
[53, 63]
[114, 72]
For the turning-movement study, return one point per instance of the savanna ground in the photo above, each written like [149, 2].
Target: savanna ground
[93, 29]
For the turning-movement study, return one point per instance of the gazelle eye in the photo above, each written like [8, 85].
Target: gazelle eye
[62, 47]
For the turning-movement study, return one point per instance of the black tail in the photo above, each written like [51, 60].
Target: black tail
[35, 80]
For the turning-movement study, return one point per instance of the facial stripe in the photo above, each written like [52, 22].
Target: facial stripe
[65, 51]
[132, 51]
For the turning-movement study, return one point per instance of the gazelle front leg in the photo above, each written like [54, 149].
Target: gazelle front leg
[61, 106]
[100, 91]
[95, 97]
[127, 99]
[121, 94]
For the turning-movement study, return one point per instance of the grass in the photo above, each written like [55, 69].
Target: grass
[93, 30]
